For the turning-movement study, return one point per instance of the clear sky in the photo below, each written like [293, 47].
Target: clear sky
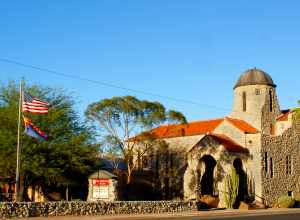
[193, 50]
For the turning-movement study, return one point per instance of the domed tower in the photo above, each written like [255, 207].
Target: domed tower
[255, 100]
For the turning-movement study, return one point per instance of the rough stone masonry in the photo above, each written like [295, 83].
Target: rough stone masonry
[37, 209]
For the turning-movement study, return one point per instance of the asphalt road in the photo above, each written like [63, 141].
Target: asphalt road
[248, 217]
[289, 214]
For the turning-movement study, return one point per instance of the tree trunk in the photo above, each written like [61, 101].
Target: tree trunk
[67, 193]
[128, 176]
[127, 186]
[21, 189]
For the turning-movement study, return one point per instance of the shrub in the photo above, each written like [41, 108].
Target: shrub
[286, 202]
[231, 188]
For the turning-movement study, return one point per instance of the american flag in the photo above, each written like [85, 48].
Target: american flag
[34, 105]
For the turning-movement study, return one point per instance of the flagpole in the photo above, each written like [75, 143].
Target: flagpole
[19, 143]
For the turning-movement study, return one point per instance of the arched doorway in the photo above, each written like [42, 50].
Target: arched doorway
[243, 184]
[207, 180]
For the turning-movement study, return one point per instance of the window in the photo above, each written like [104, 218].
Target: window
[139, 162]
[257, 92]
[266, 162]
[171, 160]
[157, 163]
[288, 165]
[290, 193]
[271, 167]
[147, 161]
[271, 100]
[167, 161]
[244, 101]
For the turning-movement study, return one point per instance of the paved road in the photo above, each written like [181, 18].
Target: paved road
[235, 215]
[250, 217]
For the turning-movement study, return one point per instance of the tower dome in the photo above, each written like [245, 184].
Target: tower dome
[254, 77]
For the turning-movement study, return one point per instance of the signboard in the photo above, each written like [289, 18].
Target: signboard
[100, 182]
[100, 188]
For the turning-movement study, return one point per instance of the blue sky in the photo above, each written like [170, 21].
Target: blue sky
[193, 50]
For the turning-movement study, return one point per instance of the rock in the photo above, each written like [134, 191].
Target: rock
[275, 205]
[210, 201]
[259, 205]
[244, 206]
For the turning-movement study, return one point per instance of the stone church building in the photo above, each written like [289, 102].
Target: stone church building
[258, 139]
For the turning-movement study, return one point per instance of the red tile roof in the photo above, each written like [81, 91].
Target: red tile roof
[190, 129]
[199, 127]
[242, 125]
[284, 116]
[205, 127]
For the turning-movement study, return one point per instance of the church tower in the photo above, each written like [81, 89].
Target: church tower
[255, 100]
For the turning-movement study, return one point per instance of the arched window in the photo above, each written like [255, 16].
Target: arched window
[266, 162]
[271, 167]
[244, 101]
[271, 100]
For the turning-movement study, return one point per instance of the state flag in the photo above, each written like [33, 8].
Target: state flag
[33, 131]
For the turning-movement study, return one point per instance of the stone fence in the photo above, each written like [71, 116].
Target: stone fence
[36, 209]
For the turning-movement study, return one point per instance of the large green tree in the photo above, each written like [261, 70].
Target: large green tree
[68, 156]
[121, 118]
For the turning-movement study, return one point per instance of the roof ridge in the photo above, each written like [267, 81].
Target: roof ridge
[190, 122]
[235, 119]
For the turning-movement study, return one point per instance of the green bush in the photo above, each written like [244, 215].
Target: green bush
[231, 188]
[286, 202]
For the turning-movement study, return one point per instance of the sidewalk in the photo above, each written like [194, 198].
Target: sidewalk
[215, 213]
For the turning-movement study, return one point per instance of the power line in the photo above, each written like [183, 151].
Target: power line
[72, 76]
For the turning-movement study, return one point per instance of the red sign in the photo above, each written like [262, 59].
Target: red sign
[100, 182]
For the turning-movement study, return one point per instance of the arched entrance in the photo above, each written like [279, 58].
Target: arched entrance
[243, 184]
[207, 180]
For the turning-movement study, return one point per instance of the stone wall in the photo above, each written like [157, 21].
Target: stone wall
[278, 148]
[34, 209]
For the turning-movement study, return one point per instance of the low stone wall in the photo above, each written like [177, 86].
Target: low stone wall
[35, 209]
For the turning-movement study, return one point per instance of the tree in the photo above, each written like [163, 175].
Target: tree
[298, 111]
[68, 156]
[170, 167]
[122, 118]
